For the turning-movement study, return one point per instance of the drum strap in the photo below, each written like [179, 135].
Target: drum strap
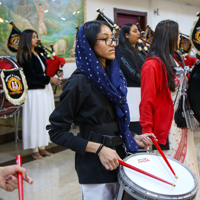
[176, 96]
[109, 140]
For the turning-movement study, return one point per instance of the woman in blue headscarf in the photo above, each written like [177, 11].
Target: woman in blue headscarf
[94, 98]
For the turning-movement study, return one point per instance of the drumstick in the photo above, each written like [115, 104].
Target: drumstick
[144, 172]
[19, 177]
[163, 155]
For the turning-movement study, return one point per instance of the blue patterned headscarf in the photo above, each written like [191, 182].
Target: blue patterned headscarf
[112, 84]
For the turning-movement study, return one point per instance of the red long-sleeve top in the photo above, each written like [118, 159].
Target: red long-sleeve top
[156, 107]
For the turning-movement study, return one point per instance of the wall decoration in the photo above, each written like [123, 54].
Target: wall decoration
[55, 21]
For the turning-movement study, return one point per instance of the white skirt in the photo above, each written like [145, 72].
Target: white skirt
[37, 108]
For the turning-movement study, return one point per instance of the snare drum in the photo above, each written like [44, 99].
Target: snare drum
[7, 109]
[134, 185]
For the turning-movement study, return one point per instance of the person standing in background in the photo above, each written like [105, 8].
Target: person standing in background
[40, 101]
[131, 61]
[94, 98]
[160, 94]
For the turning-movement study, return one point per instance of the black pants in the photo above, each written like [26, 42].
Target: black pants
[135, 127]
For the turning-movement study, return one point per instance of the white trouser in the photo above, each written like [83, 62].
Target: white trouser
[107, 191]
[36, 149]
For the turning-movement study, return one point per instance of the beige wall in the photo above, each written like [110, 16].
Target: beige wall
[179, 12]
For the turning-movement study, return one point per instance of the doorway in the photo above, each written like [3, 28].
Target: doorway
[122, 17]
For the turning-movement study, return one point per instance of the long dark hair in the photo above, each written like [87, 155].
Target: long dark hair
[91, 30]
[125, 43]
[165, 41]
[25, 44]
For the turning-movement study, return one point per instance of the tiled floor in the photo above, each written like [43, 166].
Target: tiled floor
[54, 177]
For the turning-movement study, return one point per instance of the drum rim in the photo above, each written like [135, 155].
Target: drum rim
[11, 60]
[154, 194]
[188, 92]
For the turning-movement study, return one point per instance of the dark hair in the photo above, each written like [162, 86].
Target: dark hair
[25, 44]
[164, 43]
[40, 4]
[91, 30]
[125, 43]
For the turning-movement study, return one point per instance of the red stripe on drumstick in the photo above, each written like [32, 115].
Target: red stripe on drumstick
[19, 177]
[163, 155]
[144, 172]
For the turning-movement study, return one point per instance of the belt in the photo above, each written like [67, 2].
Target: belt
[107, 140]
[94, 134]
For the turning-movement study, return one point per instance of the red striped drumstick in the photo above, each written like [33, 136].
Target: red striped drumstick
[20, 179]
[163, 155]
[144, 172]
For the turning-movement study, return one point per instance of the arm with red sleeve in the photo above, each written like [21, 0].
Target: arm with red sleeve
[150, 84]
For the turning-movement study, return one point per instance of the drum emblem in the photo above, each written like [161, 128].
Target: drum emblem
[143, 160]
[185, 44]
[197, 37]
[14, 41]
[15, 85]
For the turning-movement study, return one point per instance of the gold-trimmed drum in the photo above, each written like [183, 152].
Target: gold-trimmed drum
[13, 87]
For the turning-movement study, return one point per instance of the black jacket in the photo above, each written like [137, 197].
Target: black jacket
[131, 73]
[34, 73]
[84, 105]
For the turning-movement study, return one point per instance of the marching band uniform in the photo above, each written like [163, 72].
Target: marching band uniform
[133, 77]
[131, 61]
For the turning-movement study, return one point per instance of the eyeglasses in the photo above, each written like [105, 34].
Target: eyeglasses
[109, 41]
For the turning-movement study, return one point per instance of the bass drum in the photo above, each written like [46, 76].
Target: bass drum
[193, 91]
[7, 109]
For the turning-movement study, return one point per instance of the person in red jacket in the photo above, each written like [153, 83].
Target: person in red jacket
[160, 94]
[157, 82]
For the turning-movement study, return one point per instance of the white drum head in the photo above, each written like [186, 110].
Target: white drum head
[155, 164]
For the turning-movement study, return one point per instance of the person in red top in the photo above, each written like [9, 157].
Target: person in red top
[157, 82]
[160, 94]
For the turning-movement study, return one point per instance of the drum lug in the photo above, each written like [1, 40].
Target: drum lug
[191, 112]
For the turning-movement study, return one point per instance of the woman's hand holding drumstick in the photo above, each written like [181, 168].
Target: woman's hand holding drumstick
[144, 140]
[108, 157]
